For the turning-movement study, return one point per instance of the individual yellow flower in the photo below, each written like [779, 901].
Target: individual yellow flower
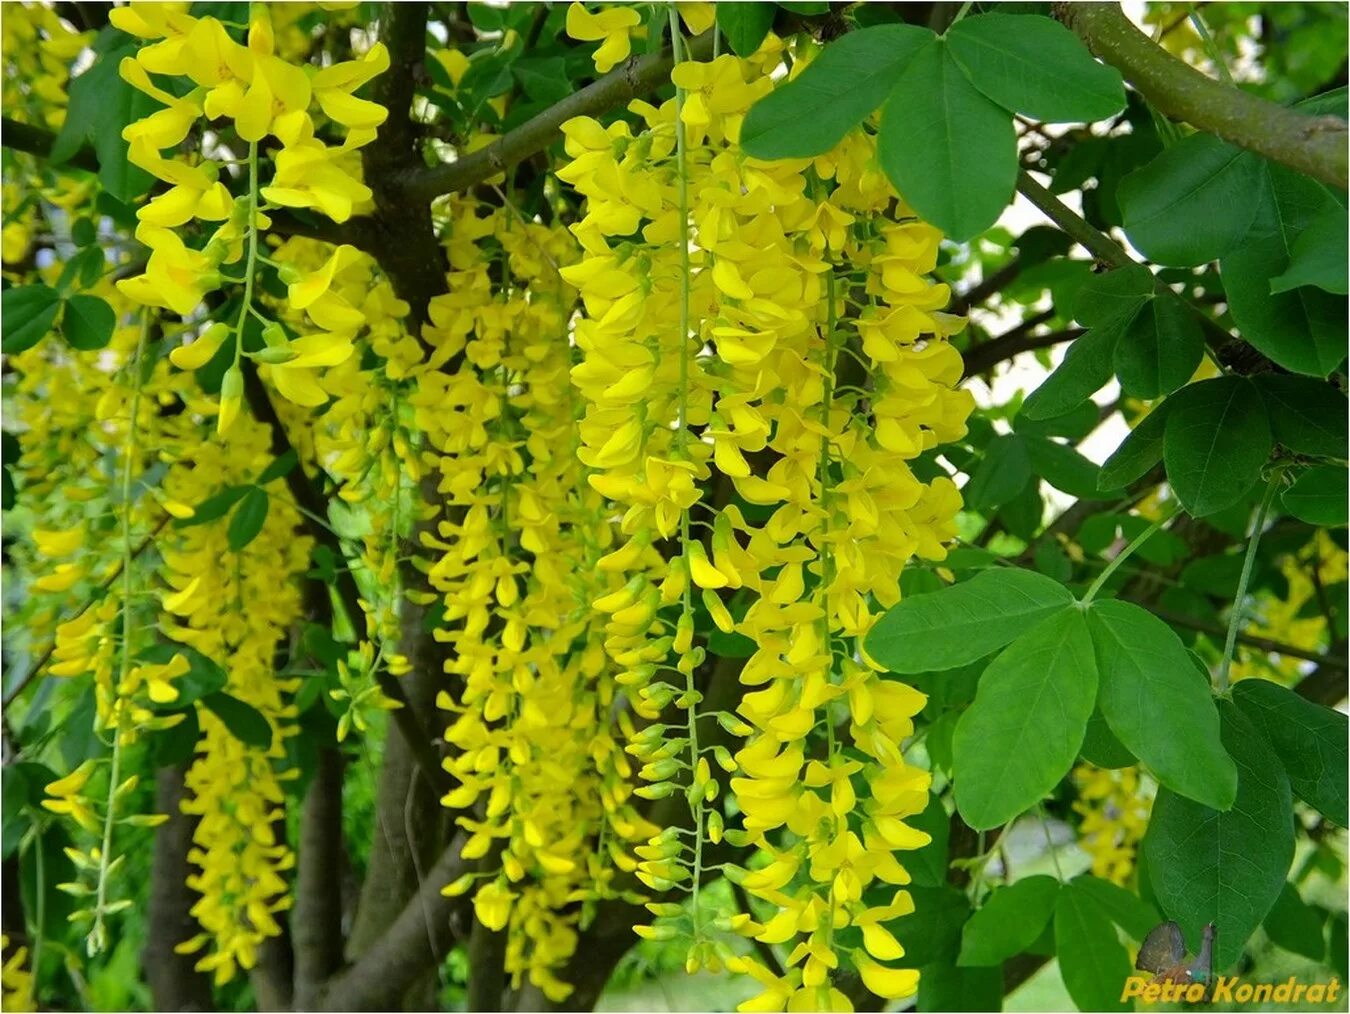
[612, 24]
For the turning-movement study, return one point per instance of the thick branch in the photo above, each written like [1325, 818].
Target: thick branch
[37, 141]
[636, 77]
[317, 924]
[1315, 145]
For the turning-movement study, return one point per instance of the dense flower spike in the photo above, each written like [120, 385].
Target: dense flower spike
[1114, 805]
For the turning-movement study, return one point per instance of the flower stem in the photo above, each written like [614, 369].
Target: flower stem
[1125, 554]
[1235, 616]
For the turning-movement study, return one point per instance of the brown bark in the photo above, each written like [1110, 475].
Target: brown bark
[316, 923]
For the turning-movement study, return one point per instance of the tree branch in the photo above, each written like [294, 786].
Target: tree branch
[1330, 661]
[316, 925]
[38, 141]
[636, 77]
[1315, 145]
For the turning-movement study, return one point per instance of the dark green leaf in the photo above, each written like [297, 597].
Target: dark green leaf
[14, 796]
[245, 722]
[1085, 370]
[27, 313]
[944, 987]
[1307, 416]
[1318, 256]
[745, 25]
[248, 519]
[965, 622]
[544, 79]
[1217, 440]
[1296, 926]
[175, 746]
[1003, 472]
[928, 865]
[1318, 496]
[88, 323]
[1035, 66]
[1160, 349]
[1137, 453]
[950, 151]
[1100, 746]
[1010, 919]
[1023, 732]
[1193, 203]
[1092, 960]
[1154, 704]
[1224, 867]
[1022, 515]
[1107, 297]
[1124, 908]
[86, 267]
[214, 507]
[1065, 469]
[279, 467]
[932, 932]
[851, 77]
[84, 232]
[1304, 329]
[1309, 739]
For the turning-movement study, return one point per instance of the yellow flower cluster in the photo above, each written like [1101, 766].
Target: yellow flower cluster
[1114, 805]
[235, 608]
[788, 275]
[38, 50]
[542, 789]
[16, 979]
[262, 95]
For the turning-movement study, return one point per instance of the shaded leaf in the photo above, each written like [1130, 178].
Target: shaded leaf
[1217, 440]
[1009, 921]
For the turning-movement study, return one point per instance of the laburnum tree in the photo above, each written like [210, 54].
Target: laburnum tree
[815, 506]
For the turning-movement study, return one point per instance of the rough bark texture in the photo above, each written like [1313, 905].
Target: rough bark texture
[174, 985]
[316, 923]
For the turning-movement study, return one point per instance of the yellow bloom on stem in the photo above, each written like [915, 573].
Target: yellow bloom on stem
[611, 24]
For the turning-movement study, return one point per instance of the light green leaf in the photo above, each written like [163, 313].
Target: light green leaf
[1217, 440]
[1009, 922]
[1023, 732]
[1085, 370]
[1124, 908]
[1224, 867]
[1193, 203]
[1157, 707]
[1318, 496]
[1160, 349]
[1309, 739]
[965, 622]
[1092, 960]
[851, 77]
[1035, 66]
[1105, 298]
[951, 152]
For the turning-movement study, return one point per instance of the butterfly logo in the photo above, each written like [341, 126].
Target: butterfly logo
[1164, 954]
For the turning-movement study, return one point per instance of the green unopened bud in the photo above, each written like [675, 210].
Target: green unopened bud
[272, 356]
[289, 274]
[274, 335]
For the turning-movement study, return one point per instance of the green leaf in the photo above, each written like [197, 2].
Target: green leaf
[1296, 926]
[851, 77]
[932, 932]
[248, 519]
[745, 25]
[1307, 416]
[27, 313]
[245, 722]
[1309, 739]
[1318, 496]
[1035, 66]
[1124, 908]
[965, 622]
[1065, 469]
[1153, 702]
[1217, 440]
[203, 678]
[544, 79]
[1002, 473]
[928, 865]
[14, 791]
[88, 323]
[279, 467]
[1101, 747]
[1138, 452]
[1023, 732]
[945, 987]
[1224, 867]
[1092, 960]
[1085, 370]
[1009, 922]
[1193, 203]
[213, 508]
[175, 745]
[84, 232]
[950, 151]
[1160, 349]
[1303, 329]
[1318, 256]
[102, 105]
[1112, 295]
